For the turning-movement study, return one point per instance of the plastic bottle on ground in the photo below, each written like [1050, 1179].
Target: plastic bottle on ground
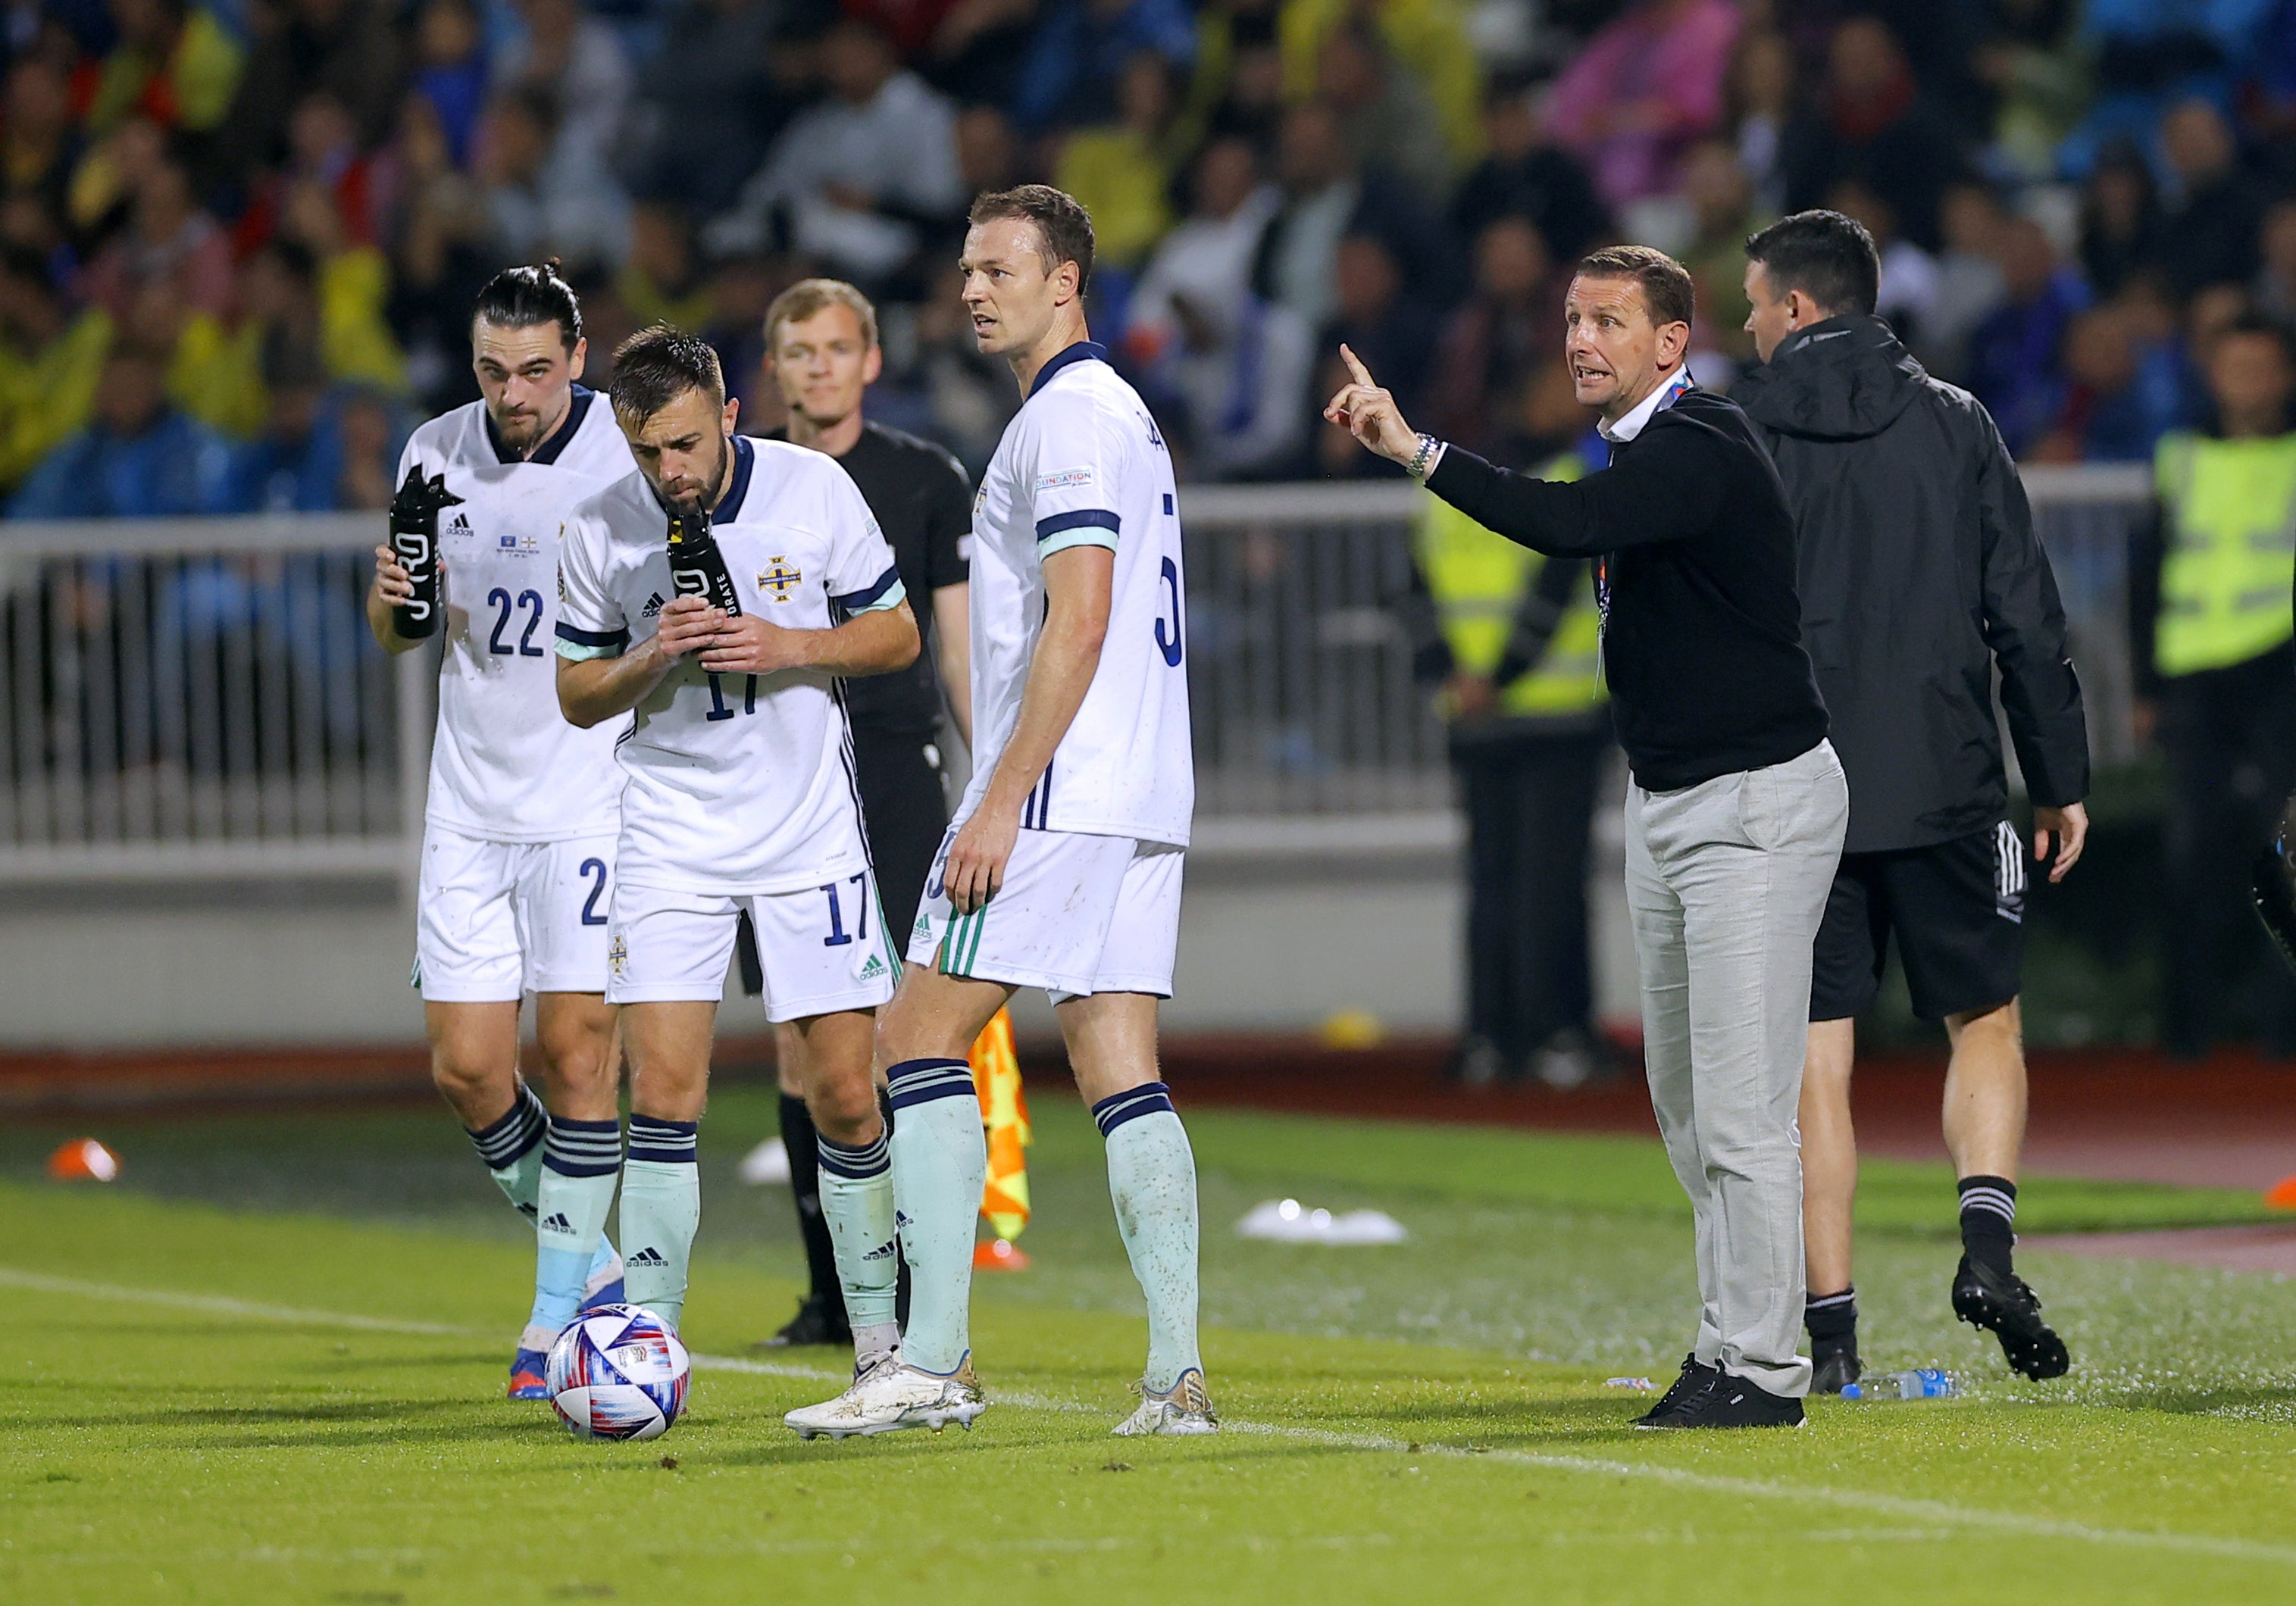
[1926, 1382]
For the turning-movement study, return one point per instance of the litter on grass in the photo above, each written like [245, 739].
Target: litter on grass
[767, 1165]
[1288, 1221]
[1641, 1384]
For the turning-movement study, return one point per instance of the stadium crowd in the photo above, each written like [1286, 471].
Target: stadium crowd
[239, 240]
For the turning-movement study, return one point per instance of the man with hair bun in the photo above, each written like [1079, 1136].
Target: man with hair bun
[519, 834]
[1736, 809]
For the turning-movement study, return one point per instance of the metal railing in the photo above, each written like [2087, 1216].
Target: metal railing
[194, 699]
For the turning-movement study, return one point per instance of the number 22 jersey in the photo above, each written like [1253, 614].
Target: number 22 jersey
[505, 767]
[738, 783]
[1082, 464]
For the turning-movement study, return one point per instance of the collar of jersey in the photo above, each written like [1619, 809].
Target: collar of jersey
[745, 461]
[582, 397]
[1083, 351]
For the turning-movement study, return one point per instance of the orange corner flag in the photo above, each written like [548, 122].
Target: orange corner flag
[1004, 1111]
[2282, 1195]
[83, 1159]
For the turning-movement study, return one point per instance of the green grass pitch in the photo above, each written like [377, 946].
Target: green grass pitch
[265, 1366]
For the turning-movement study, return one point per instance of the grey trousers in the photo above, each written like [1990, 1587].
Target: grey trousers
[1726, 882]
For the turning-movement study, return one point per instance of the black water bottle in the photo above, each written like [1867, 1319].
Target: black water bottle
[696, 567]
[415, 538]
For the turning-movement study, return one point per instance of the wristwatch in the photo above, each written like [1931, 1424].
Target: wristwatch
[1423, 459]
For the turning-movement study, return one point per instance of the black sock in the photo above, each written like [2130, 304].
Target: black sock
[1831, 1319]
[1988, 1220]
[804, 1146]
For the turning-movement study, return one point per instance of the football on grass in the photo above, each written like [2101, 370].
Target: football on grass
[619, 1372]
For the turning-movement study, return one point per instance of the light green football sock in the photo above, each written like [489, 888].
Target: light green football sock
[1151, 1177]
[512, 1150]
[941, 1163]
[662, 1210]
[856, 1201]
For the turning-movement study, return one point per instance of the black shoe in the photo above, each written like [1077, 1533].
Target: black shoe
[1732, 1402]
[1695, 1378]
[818, 1321]
[1837, 1367]
[2004, 1305]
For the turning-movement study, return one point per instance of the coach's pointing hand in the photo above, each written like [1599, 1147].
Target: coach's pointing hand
[1370, 414]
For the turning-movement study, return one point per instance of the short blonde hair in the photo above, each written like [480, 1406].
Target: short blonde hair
[808, 297]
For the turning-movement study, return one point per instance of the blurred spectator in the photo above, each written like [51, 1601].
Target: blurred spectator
[2120, 218]
[1646, 88]
[1871, 123]
[1721, 203]
[1325, 195]
[370, 437]
[708, 104]
[1122, 171]
[451, 70]
[2275, 280]
[2037, 76]
[979, 47]
[849, 176]
[1506, 330]
[2211, 624]
[1384, 111]
[579, 60]
[1070, 72]
[174, 65]
[2013, 356]
[217, 374]
[1969, 285]
[2107, 414]
[323, 152]
[662, 282]
[2209, 232]
[1524, 173]
[1386, 323]
[1236, 86]
[138, 457]
[544, 199]
[1235, 366]
[296, 465]
[353, 287]
[167, 237]
[349, 49]
[1907, 294]
[1759, 95]
[1427, 39]
[970, 396]
[2151, 53]
[39, 143]
[442, 260]
[50, 359]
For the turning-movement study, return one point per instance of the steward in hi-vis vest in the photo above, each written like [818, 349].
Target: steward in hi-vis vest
[1515, 642]
[2210, 630]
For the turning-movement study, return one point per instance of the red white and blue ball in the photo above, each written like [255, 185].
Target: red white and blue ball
[619, 1372]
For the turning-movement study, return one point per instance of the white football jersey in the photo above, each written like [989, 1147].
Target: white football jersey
[738, 783]
[504, 764]
[1083, 463]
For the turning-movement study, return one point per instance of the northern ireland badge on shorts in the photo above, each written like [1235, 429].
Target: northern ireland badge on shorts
[617, 957]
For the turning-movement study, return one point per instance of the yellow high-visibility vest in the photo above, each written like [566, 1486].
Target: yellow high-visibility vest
[2228, 535]
[1478, 580]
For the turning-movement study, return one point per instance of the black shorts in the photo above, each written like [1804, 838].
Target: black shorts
[905, 813]
[1958, 909]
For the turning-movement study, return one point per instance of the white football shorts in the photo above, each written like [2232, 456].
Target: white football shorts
[823, 950]
[1077, 915]
[496, 920]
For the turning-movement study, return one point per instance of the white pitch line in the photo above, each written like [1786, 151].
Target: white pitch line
[1933, 1511]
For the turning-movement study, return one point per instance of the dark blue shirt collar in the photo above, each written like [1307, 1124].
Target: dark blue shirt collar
[1083, 351]
[576, 408]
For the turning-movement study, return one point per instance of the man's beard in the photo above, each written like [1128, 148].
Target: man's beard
[706, 491]
[521, 434]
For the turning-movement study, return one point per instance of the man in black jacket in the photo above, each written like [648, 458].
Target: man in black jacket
[1919, 576]
[1735, 815]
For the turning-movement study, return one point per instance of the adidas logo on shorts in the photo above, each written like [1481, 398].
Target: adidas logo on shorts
[650, 1257]
[873, 968]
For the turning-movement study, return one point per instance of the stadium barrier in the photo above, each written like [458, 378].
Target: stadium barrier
[192, 699]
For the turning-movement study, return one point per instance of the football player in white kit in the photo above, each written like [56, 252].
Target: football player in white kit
[1062, 868]
[519, 834]
[741, 793]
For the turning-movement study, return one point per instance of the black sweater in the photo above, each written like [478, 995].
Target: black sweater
[1702, 638]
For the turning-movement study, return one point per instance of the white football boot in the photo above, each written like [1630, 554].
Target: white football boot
[1187, 1408]
[890, 1396]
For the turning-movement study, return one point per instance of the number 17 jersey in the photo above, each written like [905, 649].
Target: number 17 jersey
[1082, 464]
